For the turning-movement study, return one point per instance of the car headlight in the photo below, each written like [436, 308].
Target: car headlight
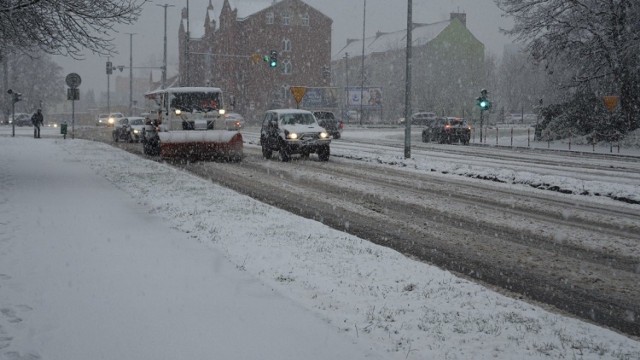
[221, 111]
[292, 136]
[136, 131]
[324, 135]
[112, 120]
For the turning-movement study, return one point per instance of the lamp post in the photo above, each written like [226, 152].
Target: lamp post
[131, 73]
[364, 18]
[164, 56]
[346, 88]
[407, 93]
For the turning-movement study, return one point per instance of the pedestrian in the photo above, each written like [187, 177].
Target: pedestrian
[37, 121]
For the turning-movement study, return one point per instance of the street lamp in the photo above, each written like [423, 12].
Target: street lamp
[164, 57]
[131, 73]
[407, 93]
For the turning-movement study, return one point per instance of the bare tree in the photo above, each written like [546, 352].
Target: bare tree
[598, 40]
[64, 27]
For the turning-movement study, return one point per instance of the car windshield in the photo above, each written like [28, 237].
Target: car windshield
[196, 101]
[297, 118]
[137, 122]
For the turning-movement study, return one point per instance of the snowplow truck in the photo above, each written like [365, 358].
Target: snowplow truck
[188, 122]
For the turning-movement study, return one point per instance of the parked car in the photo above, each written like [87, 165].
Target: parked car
[22, 119]
[423, 118]
[233, 121]
[447, 130]
[328, 121]
[293, 131]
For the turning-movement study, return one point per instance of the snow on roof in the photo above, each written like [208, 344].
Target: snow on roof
[186, 89]
[290, 111]
[245, 9]
[383, 42]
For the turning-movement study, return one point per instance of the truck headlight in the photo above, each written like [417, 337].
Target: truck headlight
[178, 111]
[292, 136]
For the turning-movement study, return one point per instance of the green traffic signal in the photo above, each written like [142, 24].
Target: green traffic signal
[273, 59]
[484, 103]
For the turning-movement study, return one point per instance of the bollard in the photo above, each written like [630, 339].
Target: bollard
[528, 137]
[63, 130]
[511, 137]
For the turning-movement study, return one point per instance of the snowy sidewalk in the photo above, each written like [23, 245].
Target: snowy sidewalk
[86, 273]
[106, 255]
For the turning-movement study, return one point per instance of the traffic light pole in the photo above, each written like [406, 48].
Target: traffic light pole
[13, 118]
[481, 123]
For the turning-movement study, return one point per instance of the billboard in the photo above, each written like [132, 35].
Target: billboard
[371, 97]
[320, 98]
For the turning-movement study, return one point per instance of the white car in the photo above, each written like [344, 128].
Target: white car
[108, 119]
[136, 126]
[233, 121]
[293, 131]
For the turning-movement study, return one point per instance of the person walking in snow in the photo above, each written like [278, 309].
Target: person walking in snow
[37, 120]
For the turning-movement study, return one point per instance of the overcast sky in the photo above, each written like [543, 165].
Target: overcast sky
[483, 19]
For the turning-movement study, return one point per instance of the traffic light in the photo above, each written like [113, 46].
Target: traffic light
[273, 59]
[15, 96]
[484, 103]
[109, 68]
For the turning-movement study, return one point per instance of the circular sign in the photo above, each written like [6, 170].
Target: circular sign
[73, 80]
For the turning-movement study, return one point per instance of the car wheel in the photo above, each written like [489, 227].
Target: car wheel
[285, 154]
[324, 152]
[336, 136]
[425, 137]
[115, 136]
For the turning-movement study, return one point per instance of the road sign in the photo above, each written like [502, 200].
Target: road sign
[298, 92]
[73, 80]
[611, 102]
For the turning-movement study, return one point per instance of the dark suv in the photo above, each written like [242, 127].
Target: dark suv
[328, 121]
[447, 130]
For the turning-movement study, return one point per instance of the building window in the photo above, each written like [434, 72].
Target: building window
[286, 19]
[270, 18]
[286, 45]
[286, 66]
[305, 20]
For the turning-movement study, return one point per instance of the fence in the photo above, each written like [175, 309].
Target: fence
[523, 137]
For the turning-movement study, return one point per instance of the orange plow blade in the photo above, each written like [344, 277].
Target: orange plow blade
[201, 145]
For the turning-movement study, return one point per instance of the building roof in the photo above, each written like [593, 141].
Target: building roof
[245, 9]
[383, 42]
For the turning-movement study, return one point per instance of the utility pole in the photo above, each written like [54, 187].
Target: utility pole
[186, 50]
[407, 92]
[346, 65]
[109, 70]
[164, 57]
[130, 73]
[364, 18]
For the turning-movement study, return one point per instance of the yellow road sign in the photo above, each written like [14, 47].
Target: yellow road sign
[298, 92]
[611, 102]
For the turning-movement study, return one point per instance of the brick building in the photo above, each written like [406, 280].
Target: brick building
[228, 53]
